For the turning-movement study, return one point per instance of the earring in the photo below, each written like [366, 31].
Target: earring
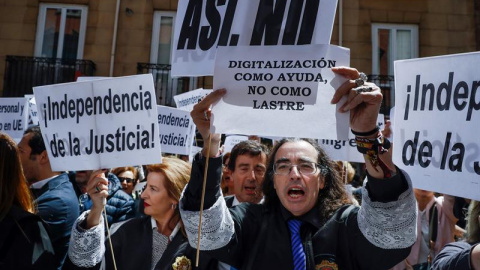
[174, 206]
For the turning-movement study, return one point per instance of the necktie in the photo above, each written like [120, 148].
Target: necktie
[297, 248]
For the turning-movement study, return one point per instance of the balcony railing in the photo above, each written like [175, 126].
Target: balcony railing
[167, 87]
[23, 72]
[387, 84]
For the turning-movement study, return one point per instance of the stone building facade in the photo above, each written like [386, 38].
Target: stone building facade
[376, 31]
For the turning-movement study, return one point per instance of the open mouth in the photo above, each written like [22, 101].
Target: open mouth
[250, 190]
[295, 192]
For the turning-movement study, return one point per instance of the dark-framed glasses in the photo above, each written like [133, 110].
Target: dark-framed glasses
[129, 180]
[305, 168]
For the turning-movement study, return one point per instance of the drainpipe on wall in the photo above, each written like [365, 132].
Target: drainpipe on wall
[340, 24]
[114, 40]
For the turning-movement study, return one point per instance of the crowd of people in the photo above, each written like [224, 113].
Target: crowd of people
[283, 207]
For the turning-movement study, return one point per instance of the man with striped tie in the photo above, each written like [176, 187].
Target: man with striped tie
[307, 221]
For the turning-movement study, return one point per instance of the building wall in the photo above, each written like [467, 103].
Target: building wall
[445, 27]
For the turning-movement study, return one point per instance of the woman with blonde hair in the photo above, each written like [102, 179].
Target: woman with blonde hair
[160, 235]
[24, 241]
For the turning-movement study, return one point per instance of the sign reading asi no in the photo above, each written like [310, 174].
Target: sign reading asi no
[202, 26]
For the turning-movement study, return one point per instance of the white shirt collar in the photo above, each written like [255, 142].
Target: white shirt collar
[174, 232]
[236, 202]
[40, 184]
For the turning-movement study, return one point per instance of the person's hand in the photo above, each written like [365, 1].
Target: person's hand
[363, 106]
[97, 188]
[201, 116]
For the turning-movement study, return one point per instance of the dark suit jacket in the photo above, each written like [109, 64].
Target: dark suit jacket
[58, 207]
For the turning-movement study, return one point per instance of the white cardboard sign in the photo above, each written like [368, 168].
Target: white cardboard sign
[176, 130]
[346, 149]
[187, 100]
[202, 26]
[13, 117]
[32, 111]
[280, 91]
[231, 141]
[437, 103]
[100, 123]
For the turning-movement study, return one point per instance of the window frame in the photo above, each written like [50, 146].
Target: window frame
[42, 11]
[414, 43]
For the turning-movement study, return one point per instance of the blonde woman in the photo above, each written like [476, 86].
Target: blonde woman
[154, 242]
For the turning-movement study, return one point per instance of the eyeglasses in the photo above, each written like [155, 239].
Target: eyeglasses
[305, 168]
[129, 180]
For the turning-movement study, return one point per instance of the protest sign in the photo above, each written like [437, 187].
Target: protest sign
[202, 26]
[90, 78]
[280, 91]
[99, 124]
[437, 103]
[231, 141]
[13, 117]
[187, 100]
[346, 150]
[32, 111]
[176, 130]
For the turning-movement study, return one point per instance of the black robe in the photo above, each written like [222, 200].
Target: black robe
[262, 238]
[132, 245]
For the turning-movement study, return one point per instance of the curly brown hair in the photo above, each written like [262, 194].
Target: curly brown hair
[330, 198]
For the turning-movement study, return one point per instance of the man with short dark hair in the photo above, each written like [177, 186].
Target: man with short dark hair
[53, 192]
[247, 166]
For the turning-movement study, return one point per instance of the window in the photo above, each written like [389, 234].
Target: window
[61, 31]
[161, 54]
[392, 42]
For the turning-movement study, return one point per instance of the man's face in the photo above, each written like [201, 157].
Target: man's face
[248, 177]
[81, 177]
[298, 193]
[30, 163]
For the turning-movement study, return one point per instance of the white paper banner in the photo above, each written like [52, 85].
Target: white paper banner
[176, 130]
[32, 111]
[280, 91]
[201, 26]
[100, 124]
[346, 150]
[231, 141]
[187, 100]
[13, 117]
[437, 103]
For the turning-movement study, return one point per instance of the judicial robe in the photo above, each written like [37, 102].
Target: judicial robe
[261, 238]
[132, 245]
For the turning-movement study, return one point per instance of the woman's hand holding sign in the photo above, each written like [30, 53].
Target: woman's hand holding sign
[97, 189]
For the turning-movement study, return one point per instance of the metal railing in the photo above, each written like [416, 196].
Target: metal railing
[167, 87]
[387, 84]
[24, 72]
